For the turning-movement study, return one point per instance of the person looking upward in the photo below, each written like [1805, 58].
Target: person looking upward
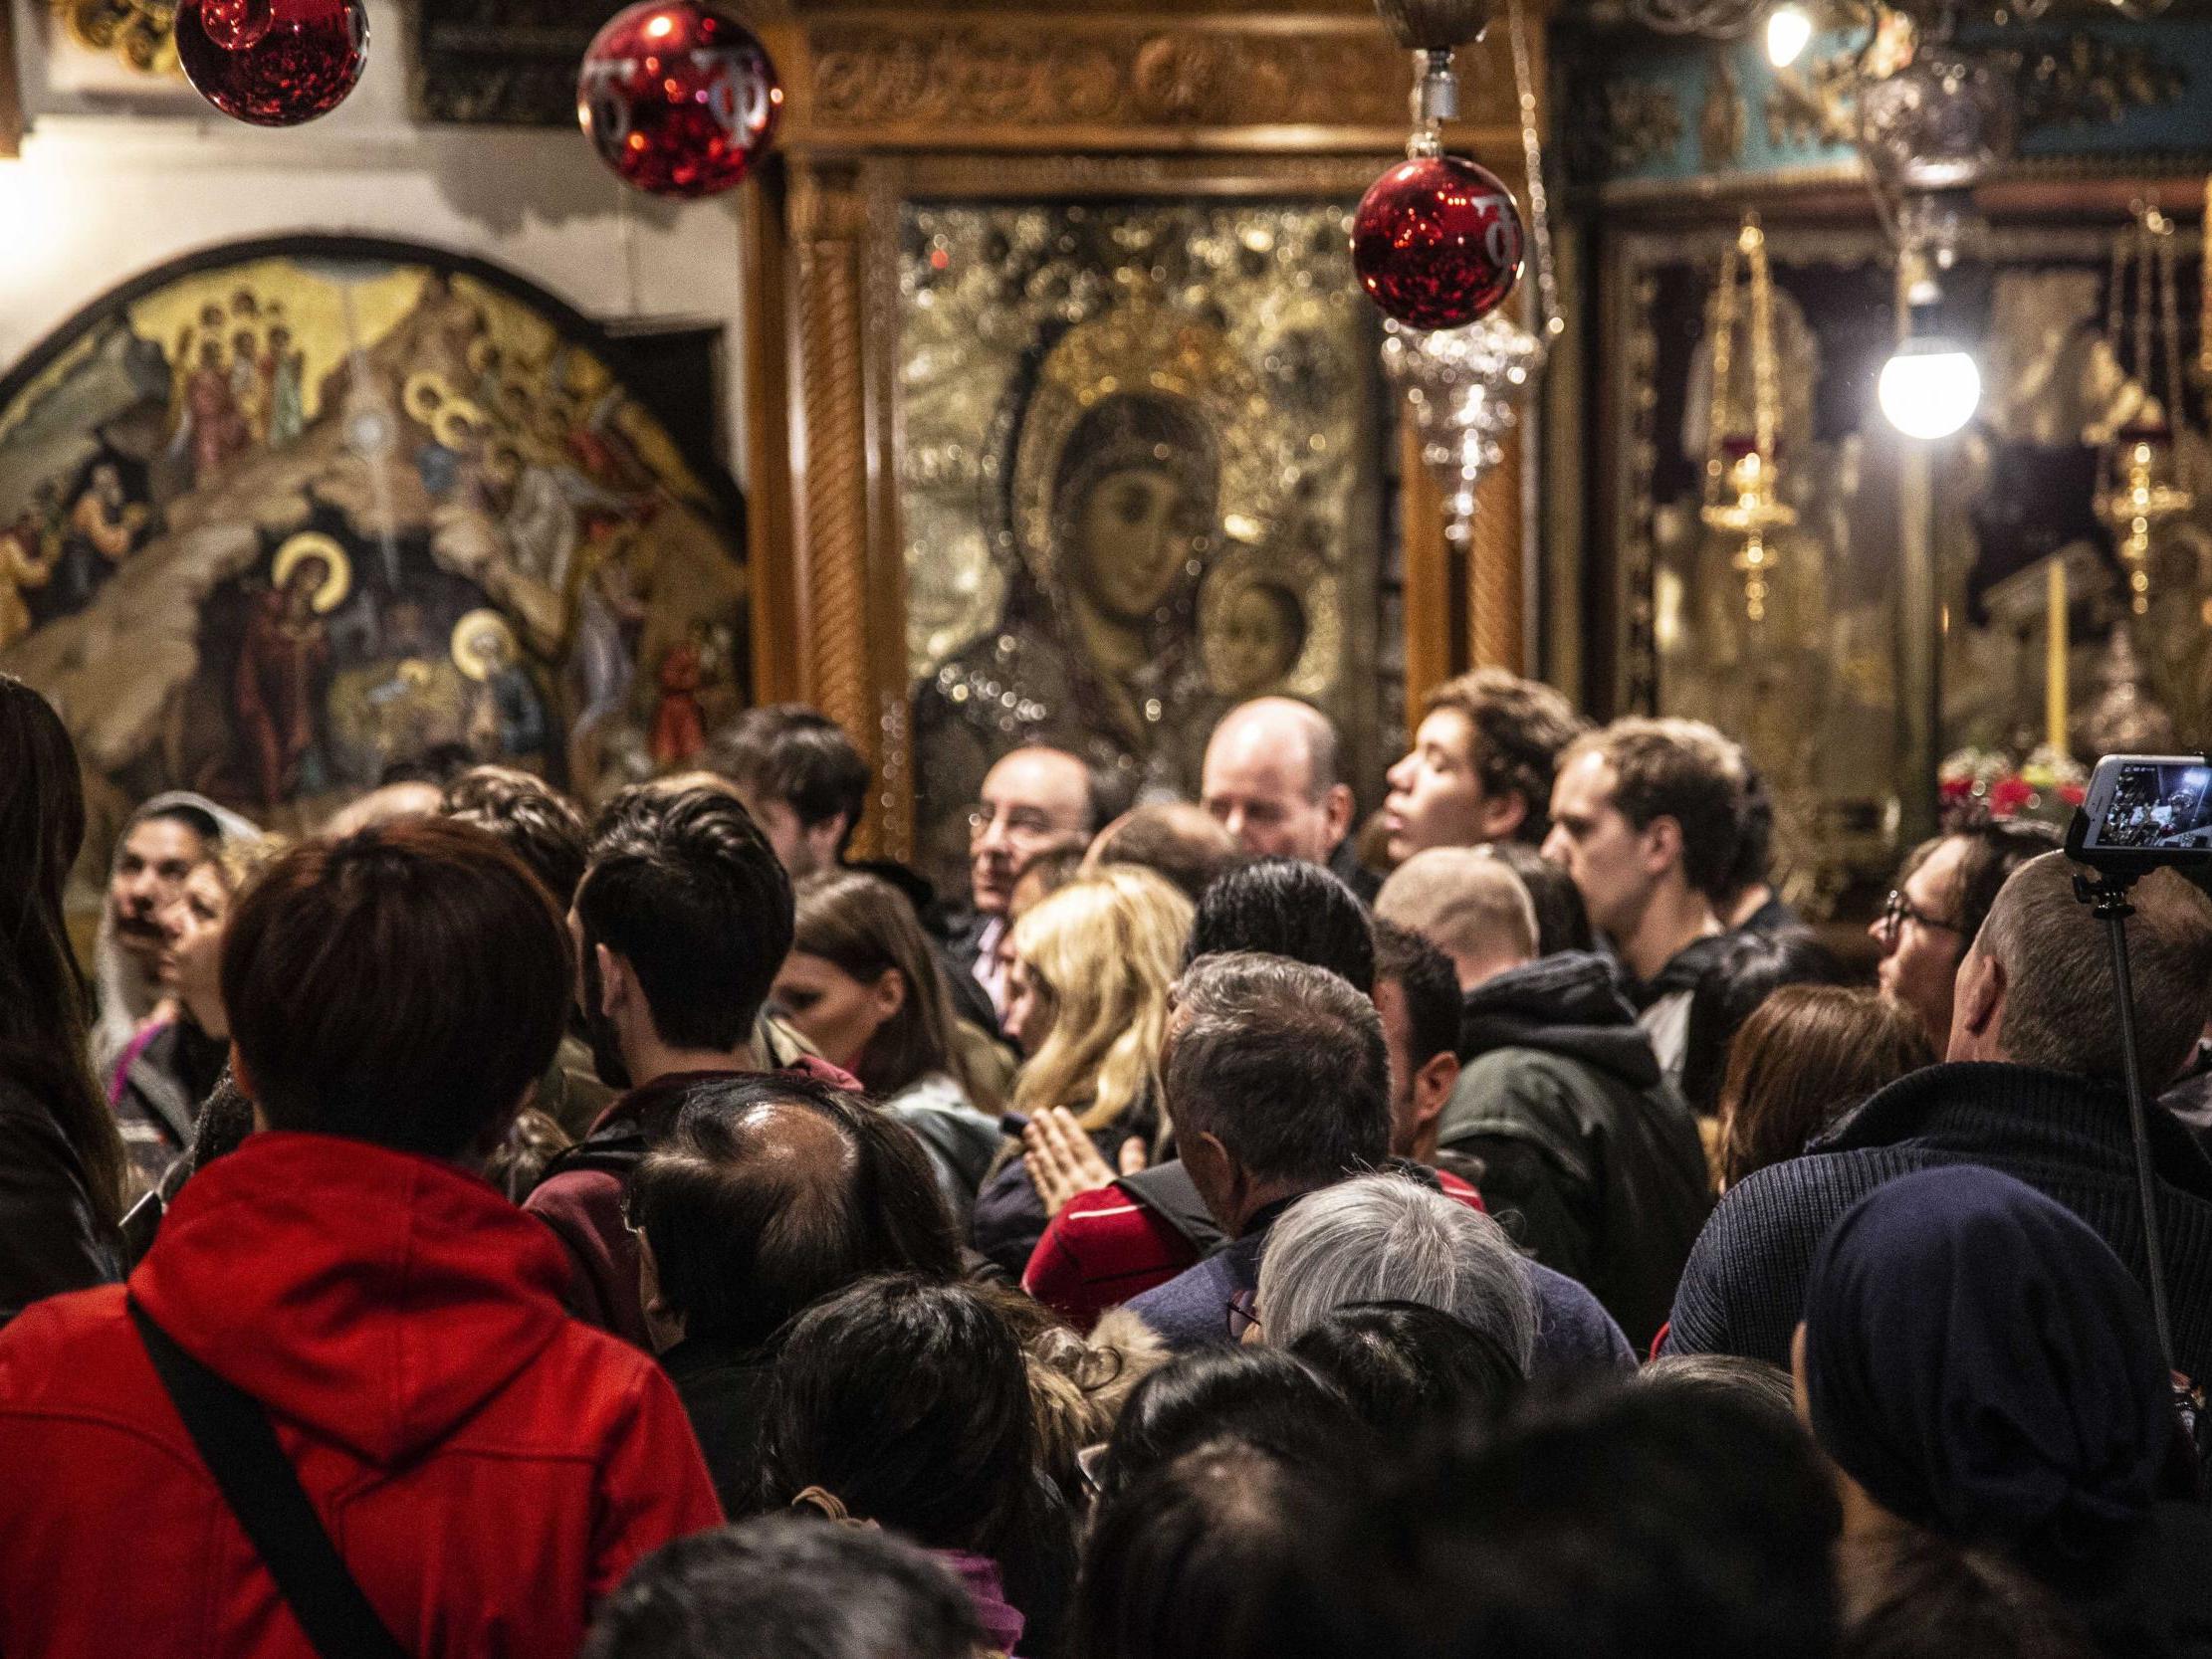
[1645, 817]
[1480, 765]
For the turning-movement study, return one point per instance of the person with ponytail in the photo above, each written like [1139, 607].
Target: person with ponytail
[61, 1157]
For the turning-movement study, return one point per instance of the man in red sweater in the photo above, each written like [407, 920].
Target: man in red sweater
[481, 1467]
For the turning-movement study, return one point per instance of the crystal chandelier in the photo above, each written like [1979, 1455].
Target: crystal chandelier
[1465, 386]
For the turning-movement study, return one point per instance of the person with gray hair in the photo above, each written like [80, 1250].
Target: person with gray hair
[1383, 1238]
[1277, 1082]
[1278, 1079]
[2034, 1089]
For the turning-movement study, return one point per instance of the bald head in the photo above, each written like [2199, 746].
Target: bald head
[2036, 989]
[1469, 905]
[767, 1192]
[1270, 781]
[1032, 800]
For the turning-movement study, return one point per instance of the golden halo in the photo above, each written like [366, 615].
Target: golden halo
[468, 638]
[1313, 583]
[1145, 347]
[458, 424]
[425, 393]
[314, 545]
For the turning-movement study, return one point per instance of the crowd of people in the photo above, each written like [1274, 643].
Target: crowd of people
[485, 1228]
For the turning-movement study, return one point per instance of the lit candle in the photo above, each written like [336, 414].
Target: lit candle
[2053, 685]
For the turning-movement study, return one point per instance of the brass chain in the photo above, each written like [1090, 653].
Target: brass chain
[1551, 322]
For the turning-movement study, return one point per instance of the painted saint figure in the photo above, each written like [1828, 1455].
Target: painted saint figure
[284, 377]
[28, 553]
[679, 729]
[103, 527]
[507, 720]
[213, 414]
[284, 662]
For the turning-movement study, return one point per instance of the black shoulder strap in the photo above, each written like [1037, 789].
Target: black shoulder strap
[1166, 1189]
[263, 1491]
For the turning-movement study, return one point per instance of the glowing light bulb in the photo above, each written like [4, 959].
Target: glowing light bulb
[1789, 32]
[1929, 389]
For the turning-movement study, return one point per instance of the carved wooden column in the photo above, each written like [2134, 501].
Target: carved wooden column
[1494, 565]
[11, 92]
[829, 554]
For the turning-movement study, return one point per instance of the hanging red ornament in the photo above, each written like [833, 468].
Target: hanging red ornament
[678, 98]
[273, 62]
[1437, 242]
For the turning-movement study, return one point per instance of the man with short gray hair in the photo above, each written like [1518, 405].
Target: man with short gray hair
[2034, 1088]
[1278, 1079]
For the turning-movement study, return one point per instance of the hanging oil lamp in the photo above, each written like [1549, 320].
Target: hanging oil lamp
[2147, 486]
[1742, 480]
[2143, 495]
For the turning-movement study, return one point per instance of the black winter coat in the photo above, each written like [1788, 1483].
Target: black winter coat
[1590, 1158]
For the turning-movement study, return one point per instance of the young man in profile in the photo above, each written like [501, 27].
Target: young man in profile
[481, 1468]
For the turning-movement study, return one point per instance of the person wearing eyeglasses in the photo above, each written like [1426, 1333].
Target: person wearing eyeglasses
[1035, 800]
[2032, 1085]
[1942, 898]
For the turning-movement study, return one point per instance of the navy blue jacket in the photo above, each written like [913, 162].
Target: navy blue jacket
[1190, 1311]
[1743, 1289]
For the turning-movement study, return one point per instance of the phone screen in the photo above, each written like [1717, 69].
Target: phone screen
[2151, 804]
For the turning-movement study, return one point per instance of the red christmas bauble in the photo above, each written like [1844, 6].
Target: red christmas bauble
[1437, 242]
[273, 62]
[678, 98]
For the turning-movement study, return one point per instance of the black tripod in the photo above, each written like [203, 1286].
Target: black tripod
[2105, 892]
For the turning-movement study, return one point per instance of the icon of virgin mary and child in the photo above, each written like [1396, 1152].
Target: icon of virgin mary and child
[1095, 649]
[1138, 441]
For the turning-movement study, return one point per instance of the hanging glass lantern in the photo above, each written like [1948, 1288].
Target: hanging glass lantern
[1742, 478]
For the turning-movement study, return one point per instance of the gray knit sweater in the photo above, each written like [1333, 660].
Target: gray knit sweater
[1743, 1289]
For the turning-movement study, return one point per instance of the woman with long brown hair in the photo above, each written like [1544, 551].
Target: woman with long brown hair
[863, 986]
[1807, 1056]
[61, 1160]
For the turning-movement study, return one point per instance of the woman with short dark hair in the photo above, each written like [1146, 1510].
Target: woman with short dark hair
[905, 1403]
[62, 1163]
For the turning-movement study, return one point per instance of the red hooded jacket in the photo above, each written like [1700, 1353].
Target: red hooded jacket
[487, 1467]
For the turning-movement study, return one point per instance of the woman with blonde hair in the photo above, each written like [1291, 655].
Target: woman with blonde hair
[862, 986]
[1087, 1001]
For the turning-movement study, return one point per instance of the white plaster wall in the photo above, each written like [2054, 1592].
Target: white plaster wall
[95, 199]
